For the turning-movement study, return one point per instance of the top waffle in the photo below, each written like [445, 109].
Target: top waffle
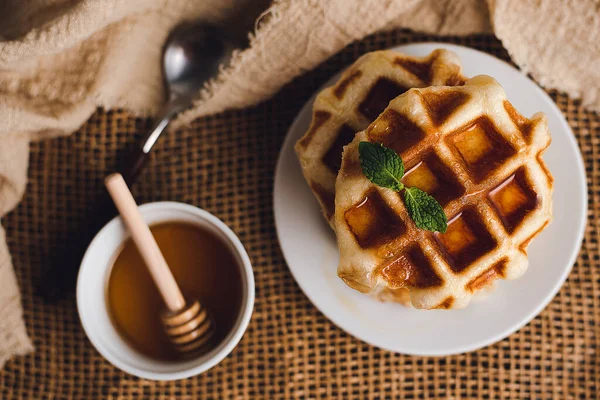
[481, 160]
[361, 94]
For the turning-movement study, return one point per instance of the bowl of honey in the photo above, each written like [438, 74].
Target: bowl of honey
[120, 306]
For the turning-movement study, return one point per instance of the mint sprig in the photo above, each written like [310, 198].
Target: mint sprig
[382, 166]
[425, 210]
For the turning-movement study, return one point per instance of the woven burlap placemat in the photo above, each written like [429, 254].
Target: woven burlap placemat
[225, 164]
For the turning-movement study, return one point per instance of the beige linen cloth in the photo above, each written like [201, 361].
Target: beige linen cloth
[61, 59]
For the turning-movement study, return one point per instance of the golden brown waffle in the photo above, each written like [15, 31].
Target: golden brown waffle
[360, 95]
[472, 151]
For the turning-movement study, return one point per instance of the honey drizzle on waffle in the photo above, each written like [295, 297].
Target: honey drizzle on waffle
[484, 107]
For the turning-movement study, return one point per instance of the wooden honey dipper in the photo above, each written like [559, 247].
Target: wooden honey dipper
[188, 326]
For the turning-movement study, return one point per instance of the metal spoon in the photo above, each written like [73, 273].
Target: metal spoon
[192, 55]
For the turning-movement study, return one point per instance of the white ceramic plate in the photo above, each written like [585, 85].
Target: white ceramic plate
[309, 245]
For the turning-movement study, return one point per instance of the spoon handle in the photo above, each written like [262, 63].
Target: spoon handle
[137, 157]
[145, 243]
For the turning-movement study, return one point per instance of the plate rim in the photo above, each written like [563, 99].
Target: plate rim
[581, 217]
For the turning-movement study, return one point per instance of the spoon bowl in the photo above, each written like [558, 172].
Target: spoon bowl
[193, 55]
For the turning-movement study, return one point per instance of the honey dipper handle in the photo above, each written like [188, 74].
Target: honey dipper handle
[145, 243]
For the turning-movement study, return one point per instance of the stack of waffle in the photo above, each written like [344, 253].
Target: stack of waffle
[463, 143]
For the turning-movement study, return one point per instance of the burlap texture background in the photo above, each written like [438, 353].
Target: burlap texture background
[225, 164]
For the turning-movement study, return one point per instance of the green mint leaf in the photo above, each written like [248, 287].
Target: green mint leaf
[425, 210]
[381, 165]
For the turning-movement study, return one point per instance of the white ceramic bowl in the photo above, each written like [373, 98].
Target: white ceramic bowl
[91, 295]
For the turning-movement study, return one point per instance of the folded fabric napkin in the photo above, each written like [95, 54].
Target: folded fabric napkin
[61, 59]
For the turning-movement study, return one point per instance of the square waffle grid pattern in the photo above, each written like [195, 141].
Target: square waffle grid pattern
[225, 164]
[354, 101]
[501, 185]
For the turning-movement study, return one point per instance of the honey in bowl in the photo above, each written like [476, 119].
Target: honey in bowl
[203, 266]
